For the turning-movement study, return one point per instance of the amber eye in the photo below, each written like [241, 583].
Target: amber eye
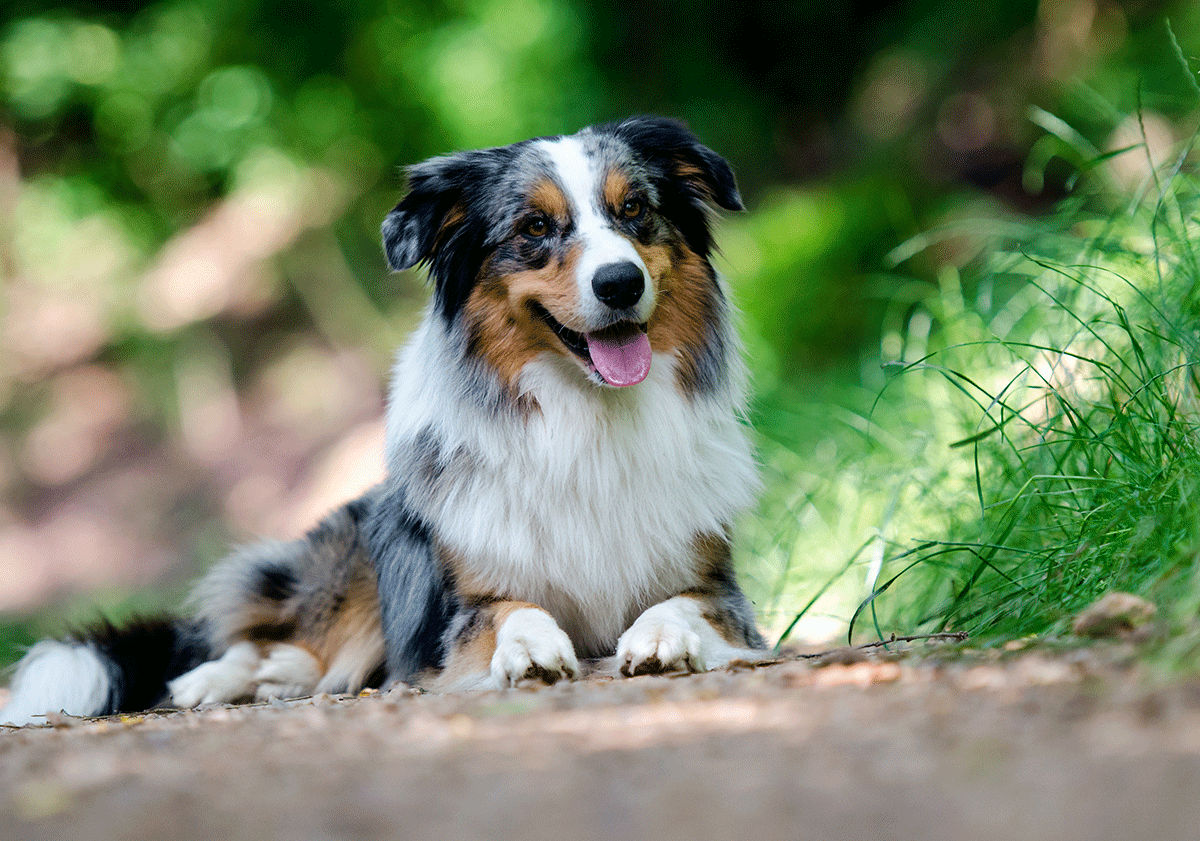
[633, 207]
[536, 226]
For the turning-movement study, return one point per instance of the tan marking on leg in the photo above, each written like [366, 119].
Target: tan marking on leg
[263, 622]
[469, 587]
[714, 560]
[714, 565]
[350, 643]
[470, 654]
[721, 620]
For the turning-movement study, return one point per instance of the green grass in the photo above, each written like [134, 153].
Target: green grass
[1034, 446]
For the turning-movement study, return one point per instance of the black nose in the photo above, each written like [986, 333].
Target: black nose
[619, 285]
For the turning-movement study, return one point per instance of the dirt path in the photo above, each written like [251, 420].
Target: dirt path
[1060, 747]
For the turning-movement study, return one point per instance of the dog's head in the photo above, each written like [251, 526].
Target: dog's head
[593, 246]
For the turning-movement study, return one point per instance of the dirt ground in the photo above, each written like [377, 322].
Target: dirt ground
[1024, 746]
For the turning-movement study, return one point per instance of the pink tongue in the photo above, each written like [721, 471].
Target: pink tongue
[621, 361]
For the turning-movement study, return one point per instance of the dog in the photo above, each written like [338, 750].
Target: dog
[566, 453]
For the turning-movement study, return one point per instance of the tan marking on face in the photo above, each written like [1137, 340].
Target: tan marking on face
[657, 258]
[616, 189]
[549, 199]
[504, 332]
[453, 218]
[685, 309]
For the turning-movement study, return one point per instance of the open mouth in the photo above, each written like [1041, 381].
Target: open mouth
[620, 353]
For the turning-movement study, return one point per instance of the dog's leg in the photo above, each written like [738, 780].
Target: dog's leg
[701, 629]
[502, 644]
[415, 601]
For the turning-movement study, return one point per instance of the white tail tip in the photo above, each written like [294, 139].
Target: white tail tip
[54, 676]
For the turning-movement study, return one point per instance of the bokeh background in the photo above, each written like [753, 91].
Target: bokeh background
[195, 316]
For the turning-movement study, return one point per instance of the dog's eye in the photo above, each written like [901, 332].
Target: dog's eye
[633, 207]
[536, 226]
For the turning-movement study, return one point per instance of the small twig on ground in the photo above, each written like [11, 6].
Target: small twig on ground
[954, 636]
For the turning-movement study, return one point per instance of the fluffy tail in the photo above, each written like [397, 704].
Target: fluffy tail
[104, 670]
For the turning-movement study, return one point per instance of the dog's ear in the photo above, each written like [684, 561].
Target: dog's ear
[691, 178]
[670, 145]
[430, 224]
[427, 213]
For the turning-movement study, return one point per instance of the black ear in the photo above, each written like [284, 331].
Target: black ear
[430, 225]
[412, 228]
[670, 146]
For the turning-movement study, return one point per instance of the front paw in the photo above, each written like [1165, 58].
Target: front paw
[660, 642]
[531, 646]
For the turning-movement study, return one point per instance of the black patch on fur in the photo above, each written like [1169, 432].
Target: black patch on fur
[342, 527]
[427, 463]
[690, 177]
[276, 582]
[272, 632]
[143, 655]
[467, 624]
[416, 600]
[376, 678]
[359, 509]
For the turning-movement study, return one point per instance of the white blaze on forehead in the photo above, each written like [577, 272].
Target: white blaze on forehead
[582, 180]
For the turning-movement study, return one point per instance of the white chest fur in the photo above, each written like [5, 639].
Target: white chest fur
[587, 507]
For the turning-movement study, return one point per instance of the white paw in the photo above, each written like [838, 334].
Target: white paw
[675, 635]
[660, 641]
[288, 671]
[530, 645]
[221, 681]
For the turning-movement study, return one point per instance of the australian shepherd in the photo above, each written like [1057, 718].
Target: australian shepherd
[566, 452]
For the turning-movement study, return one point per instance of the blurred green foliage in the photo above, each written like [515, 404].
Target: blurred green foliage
[145, 114]
[191, 191]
